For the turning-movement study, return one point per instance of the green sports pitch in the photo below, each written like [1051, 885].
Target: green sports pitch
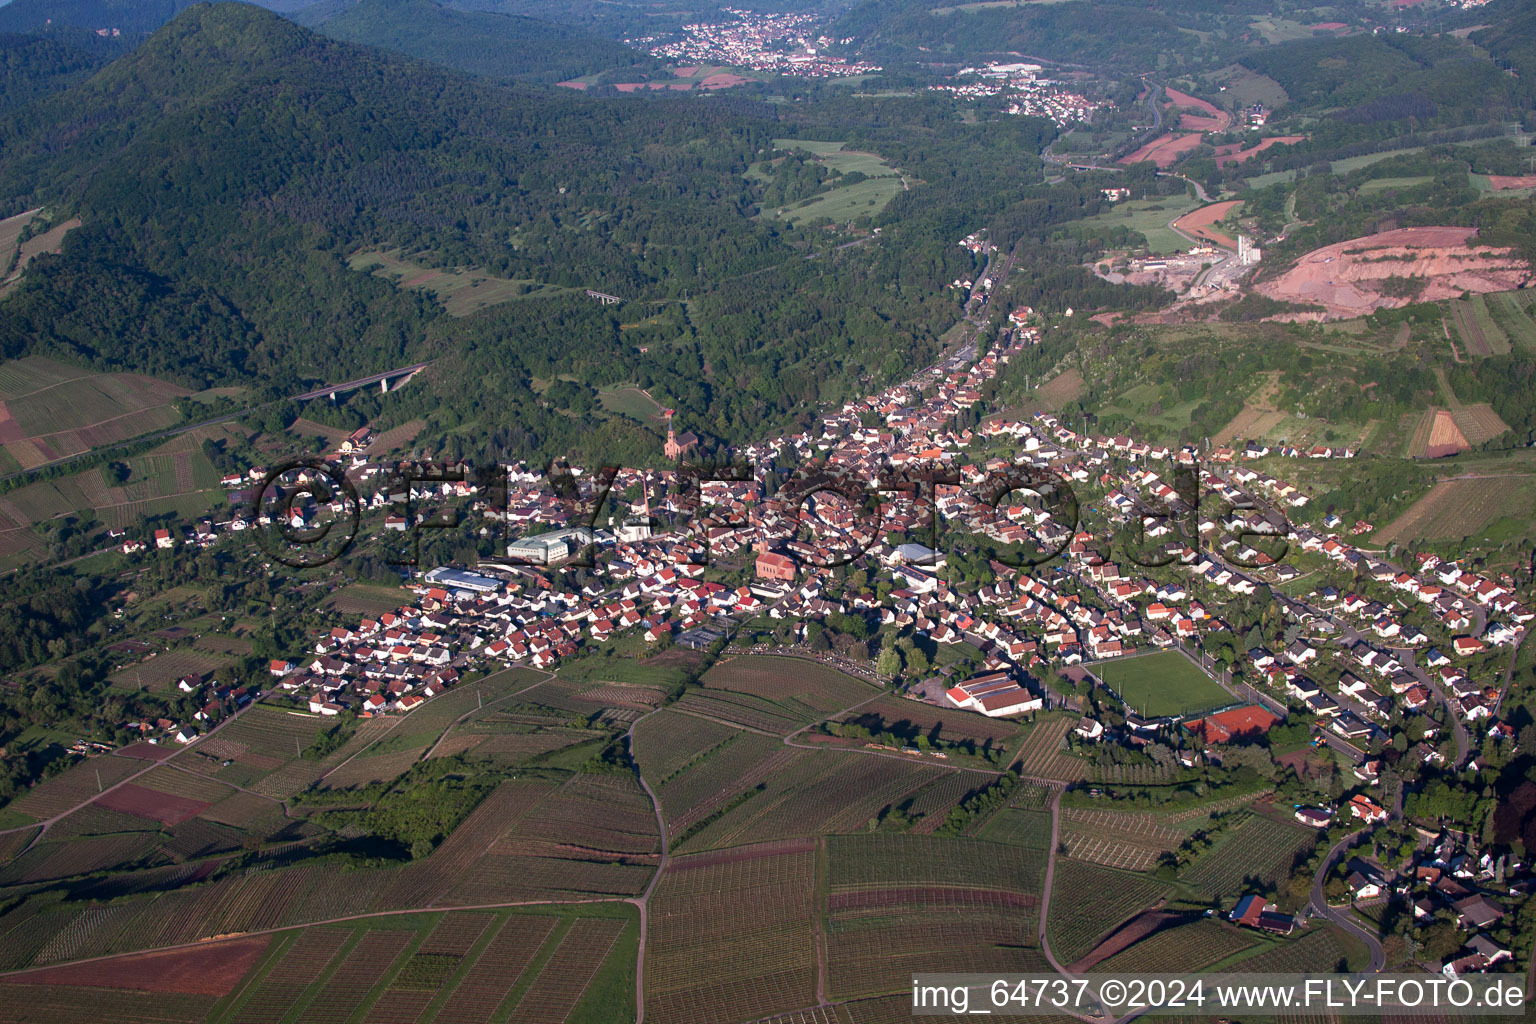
[1162, 684]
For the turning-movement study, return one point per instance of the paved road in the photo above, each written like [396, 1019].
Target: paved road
[1343, 920]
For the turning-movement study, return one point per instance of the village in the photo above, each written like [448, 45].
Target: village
[691, 559]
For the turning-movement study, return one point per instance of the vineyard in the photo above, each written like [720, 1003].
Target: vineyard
[74, 786]
[709, 960]
[1261, 847]
[744, 709]
[932, 804]
[895, 714]
[816, 793]
[730, 769]
[1044, 755]
[807, 689]
[894, 900]
[461, 967]
[1318, 951]
[1029, 829]
[1183, 948]
[1118, 839]
[668, 741]
[1088, 901]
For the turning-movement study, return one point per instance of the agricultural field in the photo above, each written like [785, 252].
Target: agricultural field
[842, 202]
[1511, 311]
[1462, 508]
[51, 410]
[1029, 829]
[265, 746]
[941, 725]
[462, 291]
[812, 793]
[548, 963]
[1261, 847]
[893, 900]
[1182, 948]
[367, 600]
[159, 671]
[1162, 684]
[1044, 755]
[706, 961]
[1318, 951]
[1151, 217]
[74, 786]
[806, 690]
[1118, 839]
[1088, 901]
[631, 402]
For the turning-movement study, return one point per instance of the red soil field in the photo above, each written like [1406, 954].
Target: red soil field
[1233, 153]
[163, 807]
[1502, 181]
[1164, 151]
[1198, 223]
[1328, 26]
[1195, 123]
[211, 970]
[1132, 932]
[147, 751]
[1184, 99]
[10, 430]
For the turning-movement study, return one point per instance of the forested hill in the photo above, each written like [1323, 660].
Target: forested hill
[224, 168]
[495, 45]
[31, 67]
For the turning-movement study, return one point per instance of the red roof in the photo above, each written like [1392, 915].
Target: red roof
[1234, 724]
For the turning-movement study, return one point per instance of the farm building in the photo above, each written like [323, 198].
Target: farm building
[994, 694]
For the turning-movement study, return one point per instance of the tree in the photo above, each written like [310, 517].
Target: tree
[888, 665]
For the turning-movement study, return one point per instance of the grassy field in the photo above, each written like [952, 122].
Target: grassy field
[846, 202]
[1166, 683]
[1151, 217]
[1382, 184]
[631, 402]
[461, 292]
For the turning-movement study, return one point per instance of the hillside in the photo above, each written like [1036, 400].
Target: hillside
[226, 168]
[31, 67]
[495, 45]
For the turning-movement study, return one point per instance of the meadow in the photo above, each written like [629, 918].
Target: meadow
[1151, 217]
[461, 291]
[843, 202]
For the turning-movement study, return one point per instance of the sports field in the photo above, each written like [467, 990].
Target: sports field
[1162, 684]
